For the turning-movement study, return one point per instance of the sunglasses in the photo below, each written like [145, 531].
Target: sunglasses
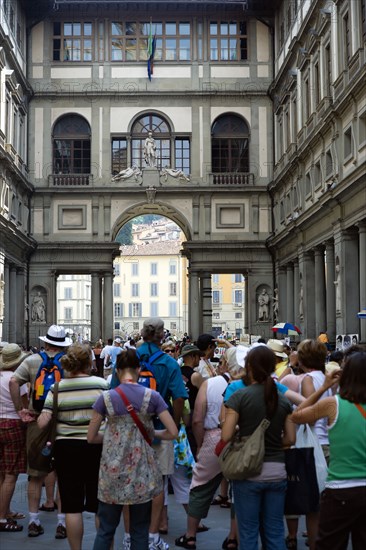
[170, 351]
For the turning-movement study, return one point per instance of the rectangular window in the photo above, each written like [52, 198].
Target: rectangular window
[215, 278]
[317, 175]
[362, 129]
[154, 310]
[134, 269]
[216, 298]
[172, 289]
[172, 309]
[68, 293]
[118, 309]
[238, 278]
[135, 309]
[119, 155]
[136, 326]
[68, 313]
[238, 297]
[173, 268]
[238, 315]
[328, 163]
[130, 40]
[72, 41]
[307, 184]
[116, 269]
[116, 290]
[135, 289]
[306, 108]
[173, 326]
[327, 70]
[228, 41]
[153, 289]
[183, 155]
[347, 40]
[117, 325]
[153, 268]
[87, 312]
[316, 84]
[347, 143]
[216, 315]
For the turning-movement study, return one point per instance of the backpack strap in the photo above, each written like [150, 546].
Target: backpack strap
[136, 419]
[361, 409]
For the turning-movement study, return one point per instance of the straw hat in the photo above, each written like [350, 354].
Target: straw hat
[277, 347]
[11, 357]
[56, 337]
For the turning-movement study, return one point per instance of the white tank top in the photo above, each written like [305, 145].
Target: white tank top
[321, 425]
[215, 388]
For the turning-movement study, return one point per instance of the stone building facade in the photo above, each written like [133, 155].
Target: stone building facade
[243, 206]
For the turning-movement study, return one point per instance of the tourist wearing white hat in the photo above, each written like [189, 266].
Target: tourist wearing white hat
[13, 460]
[282, 369]
[55, 342]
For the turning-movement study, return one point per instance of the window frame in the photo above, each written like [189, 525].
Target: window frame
[221, 37]
[62, 37]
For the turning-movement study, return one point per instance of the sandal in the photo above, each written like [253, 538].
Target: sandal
[15, 515]
[44, 508]
[230, 544]
[10, 526]
[184, 541]
[219, 501]
[291, 543]
[202, 528]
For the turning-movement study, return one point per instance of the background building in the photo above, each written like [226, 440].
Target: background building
[260, 105]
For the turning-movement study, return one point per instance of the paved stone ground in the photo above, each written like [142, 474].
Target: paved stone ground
[218, 521]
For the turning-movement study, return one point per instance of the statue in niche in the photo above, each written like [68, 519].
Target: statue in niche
[337, 284]
[263, 310]
[301, 303]
[38, 309]
[275, 305]
[175, 173]
[150, 151]
[128, 173]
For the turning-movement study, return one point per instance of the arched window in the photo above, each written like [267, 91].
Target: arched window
[162, 135]
[71, 145]
[230, 144]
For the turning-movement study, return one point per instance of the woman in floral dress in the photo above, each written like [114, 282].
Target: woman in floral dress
[129, 473]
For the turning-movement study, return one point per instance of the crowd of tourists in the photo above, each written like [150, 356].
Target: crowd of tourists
[131, 420]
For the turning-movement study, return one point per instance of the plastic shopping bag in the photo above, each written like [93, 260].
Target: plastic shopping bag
[306, 437]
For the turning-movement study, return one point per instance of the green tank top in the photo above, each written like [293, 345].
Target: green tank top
[347, 440]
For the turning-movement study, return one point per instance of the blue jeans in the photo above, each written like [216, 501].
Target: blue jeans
[259, 505]
[109, 516]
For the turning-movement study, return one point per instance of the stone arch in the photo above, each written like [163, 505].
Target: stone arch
[152, 111]
[158, 208]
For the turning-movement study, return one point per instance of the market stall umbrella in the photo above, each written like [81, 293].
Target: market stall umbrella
[286, 328]
[362, 314]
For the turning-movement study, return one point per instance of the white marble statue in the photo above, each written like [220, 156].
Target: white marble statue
[150, 151]
[128, 173]
[175, 173]
[263, 301]
[38, 309]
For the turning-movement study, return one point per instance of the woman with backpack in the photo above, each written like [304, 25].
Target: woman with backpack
[76, 462]
[129, 473]
[259, 501]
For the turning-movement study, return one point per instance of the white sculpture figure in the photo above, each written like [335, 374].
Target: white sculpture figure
[301, 303]
[128, 173]
[175, 173]
[275, 304]
[150, 150]
[38, 309]
[263, 301]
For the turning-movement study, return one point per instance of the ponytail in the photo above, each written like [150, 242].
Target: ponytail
[270, 396]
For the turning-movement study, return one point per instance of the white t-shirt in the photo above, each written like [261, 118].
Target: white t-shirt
[7, 409]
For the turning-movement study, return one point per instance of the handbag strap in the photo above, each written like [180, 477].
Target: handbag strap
[361, 409]
[54, 412]
[132, 412]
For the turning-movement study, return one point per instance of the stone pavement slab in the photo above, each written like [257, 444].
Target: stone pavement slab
[218, 520]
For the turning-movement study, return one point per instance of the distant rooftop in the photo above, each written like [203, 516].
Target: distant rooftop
[161, 248]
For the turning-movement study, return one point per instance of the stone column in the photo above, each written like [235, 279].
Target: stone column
[246, 304]
[194, 304]
[330, 291]
[5, 335]
[206, 302]
[351, 283]
[12, 304]
[290, 318]
[108, 308]
[296, 293]
[362, 262]
[319, 287]
[95, 307]
[20, 306]
[307, 294]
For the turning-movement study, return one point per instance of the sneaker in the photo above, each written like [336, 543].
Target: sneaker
[35, 530]
[159, 545]
[60, 532]
[126, 544]
[291, 544]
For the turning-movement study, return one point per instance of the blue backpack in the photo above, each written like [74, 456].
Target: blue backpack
[147, 372]
[49, 372]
